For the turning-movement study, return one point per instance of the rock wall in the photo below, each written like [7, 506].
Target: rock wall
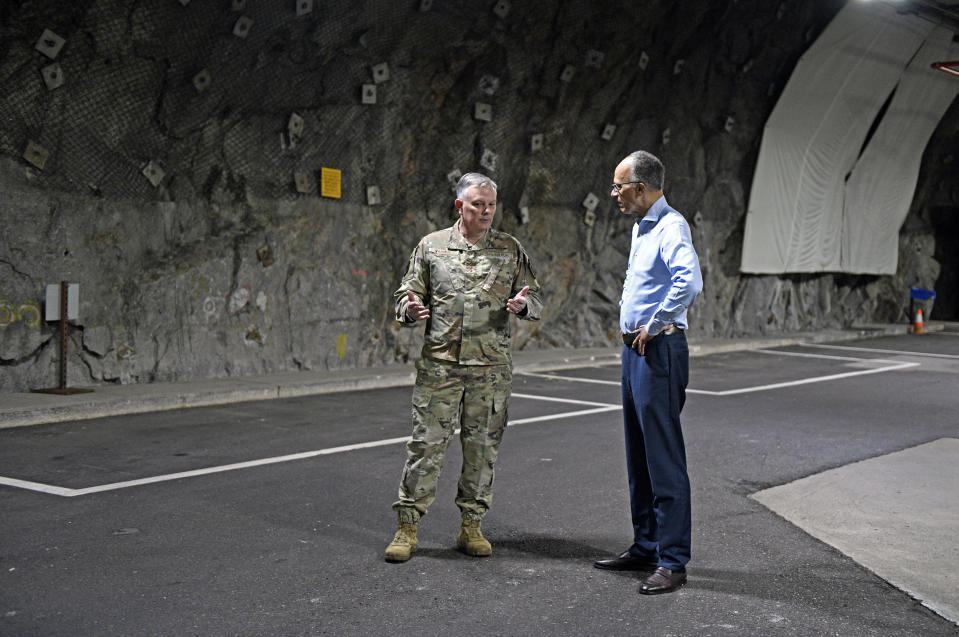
[170, 158]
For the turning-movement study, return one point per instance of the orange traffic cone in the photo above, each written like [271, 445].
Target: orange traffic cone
[917, 326]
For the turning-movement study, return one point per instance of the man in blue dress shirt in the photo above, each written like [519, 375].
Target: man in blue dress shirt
[662, 280]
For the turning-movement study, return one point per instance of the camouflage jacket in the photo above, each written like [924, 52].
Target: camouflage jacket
[466, 289]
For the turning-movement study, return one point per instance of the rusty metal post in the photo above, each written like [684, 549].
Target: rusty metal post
[63, 335]
[61, 387]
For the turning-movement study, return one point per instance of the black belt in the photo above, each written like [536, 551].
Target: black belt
[629, 337]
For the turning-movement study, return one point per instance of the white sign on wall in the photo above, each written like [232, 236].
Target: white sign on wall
[52, 312]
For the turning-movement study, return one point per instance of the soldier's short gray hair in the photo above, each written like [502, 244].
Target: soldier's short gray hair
[473, 179]
[648, 169]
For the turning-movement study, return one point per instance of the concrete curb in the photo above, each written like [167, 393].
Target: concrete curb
[23, 409]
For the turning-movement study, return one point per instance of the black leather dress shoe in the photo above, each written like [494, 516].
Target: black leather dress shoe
[662, 581]
[626, 562]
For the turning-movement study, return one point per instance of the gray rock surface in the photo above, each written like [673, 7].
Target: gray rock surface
[228, 267]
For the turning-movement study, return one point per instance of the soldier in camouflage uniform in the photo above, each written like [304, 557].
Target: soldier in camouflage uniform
[464, 281]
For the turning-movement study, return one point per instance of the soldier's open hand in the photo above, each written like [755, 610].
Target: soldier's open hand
[518, 303]
[416, 310]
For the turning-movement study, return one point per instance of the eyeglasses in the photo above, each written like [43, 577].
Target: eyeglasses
[618, 187]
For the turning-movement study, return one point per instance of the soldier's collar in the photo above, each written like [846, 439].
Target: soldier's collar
[459, 242]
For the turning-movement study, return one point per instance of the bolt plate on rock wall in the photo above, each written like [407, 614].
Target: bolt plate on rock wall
[608, 131]
[488, 160]
[502, 8]
[536, 142]
[295, 126]
[643, 60]
[36, 154]
[302, 182]
[304, 7]
[368, 95]
[483, 112]
[242, 27]
[53, 76]
[202, 80]
[381, 72]
[50, 44]
[590, 202]
[154, 173]
[568, 72]
[373, 195]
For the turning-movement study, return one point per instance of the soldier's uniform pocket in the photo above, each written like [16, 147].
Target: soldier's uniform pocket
[500, 387]
[496, 347]
[421, 396]
[499, 402]
[500, 280]
[431, 424]
[496, 264]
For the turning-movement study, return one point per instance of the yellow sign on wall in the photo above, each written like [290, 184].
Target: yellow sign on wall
[330, 182]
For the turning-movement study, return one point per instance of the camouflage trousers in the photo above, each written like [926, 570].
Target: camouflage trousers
[445, 395]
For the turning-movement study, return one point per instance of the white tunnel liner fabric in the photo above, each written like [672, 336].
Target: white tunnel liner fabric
[813, 138]
[880, 189]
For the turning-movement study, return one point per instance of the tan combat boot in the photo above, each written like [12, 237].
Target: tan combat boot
[403, 544]
[471, 540]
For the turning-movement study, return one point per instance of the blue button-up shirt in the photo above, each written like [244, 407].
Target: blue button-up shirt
[663, 276]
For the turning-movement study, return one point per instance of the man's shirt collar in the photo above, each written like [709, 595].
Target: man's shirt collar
[655, 212]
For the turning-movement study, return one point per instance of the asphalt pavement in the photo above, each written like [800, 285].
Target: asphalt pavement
[26, 408]
[824, 481]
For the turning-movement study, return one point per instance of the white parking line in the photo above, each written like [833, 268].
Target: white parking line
[880, 351]
[72, 493]
[563, 400]
[891, 366]
[806, 381]
[596, 409]
[577, 379]
[826, 356]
